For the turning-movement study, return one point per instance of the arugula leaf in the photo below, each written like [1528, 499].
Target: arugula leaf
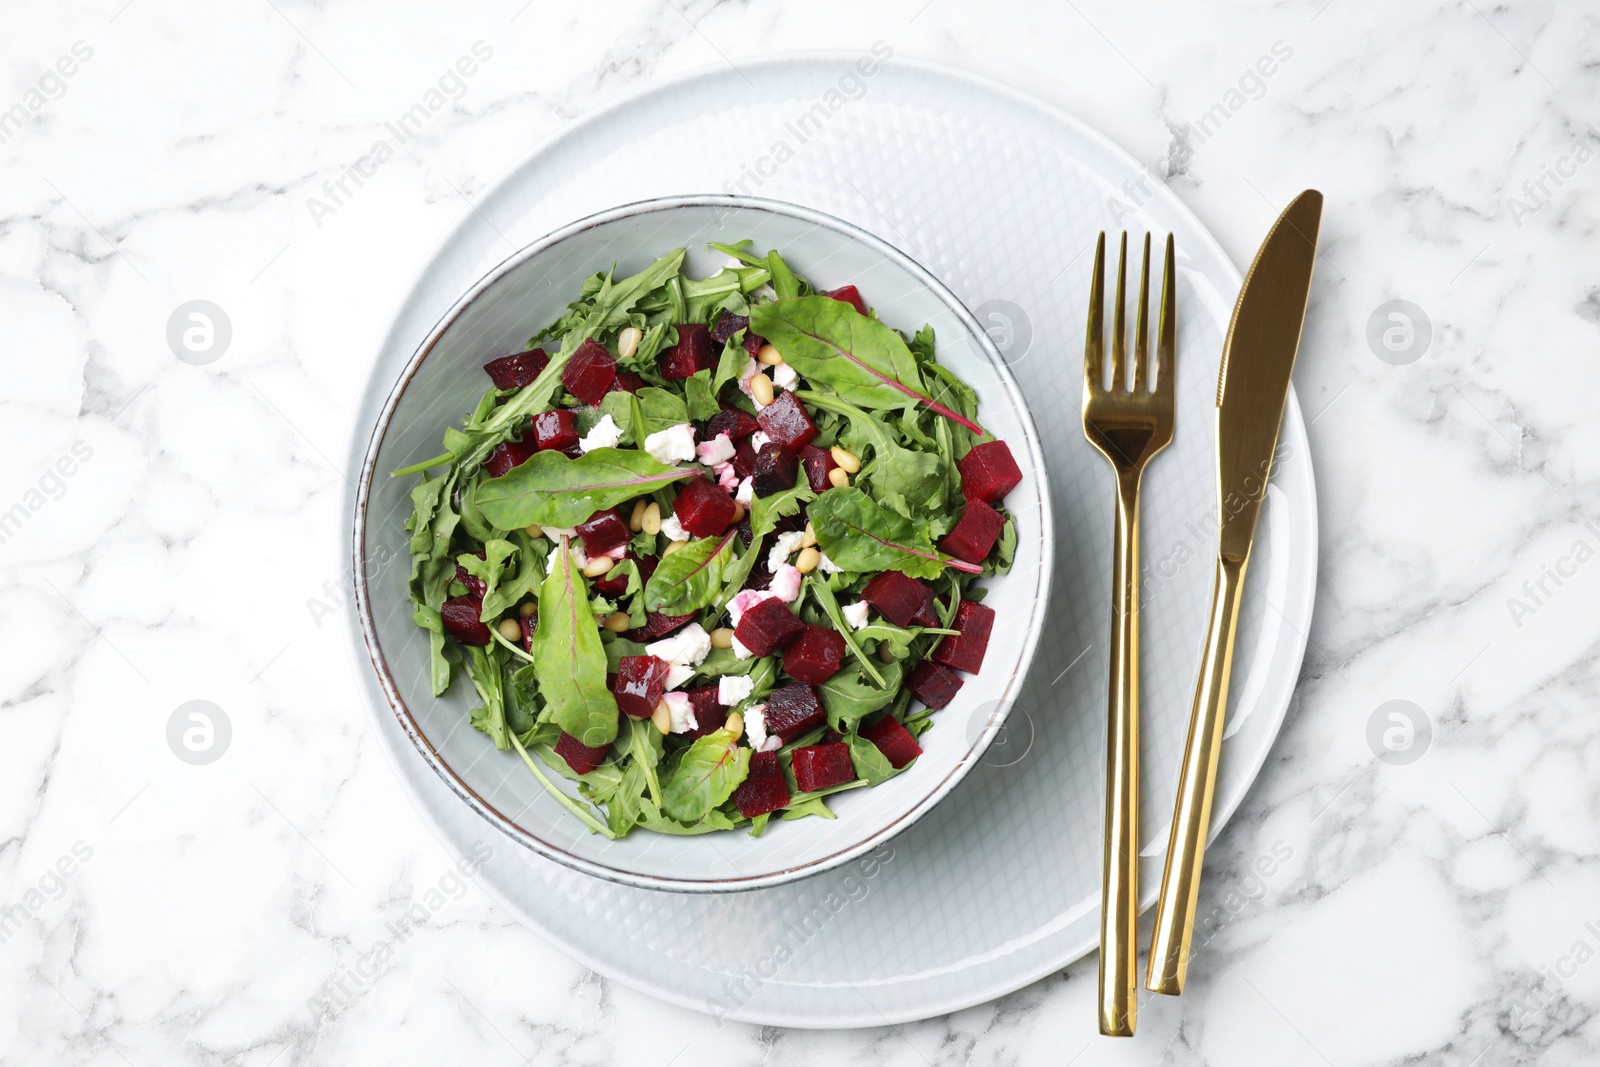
[870, 764]
[483, 667]
[691, 577]
[859, 535]
[704, 775]
[700, 401]
[822, 592]
[570, 659]
[657, 410]
[912, 482]
[553, 490]
[848, 698]
[867, 363]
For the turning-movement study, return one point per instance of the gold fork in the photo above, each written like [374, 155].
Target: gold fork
[1128, 426]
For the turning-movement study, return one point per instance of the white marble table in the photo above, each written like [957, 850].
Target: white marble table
[166, 526]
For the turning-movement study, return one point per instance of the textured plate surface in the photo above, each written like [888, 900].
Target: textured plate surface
[445, 379]
[999, 196]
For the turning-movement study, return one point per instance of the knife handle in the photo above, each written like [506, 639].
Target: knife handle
[1191, 816]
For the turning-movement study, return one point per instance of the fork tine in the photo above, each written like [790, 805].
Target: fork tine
[1141, 336]
[1094, 345]
[1119, 324]
[1167, 343]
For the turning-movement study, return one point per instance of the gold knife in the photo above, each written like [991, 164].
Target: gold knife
[1252, 388]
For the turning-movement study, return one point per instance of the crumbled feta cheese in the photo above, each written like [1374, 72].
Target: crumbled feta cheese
[750, 370]
[763, 294]
[786, 583]
[727, 477]
[677, 674]
[783, 546]
[747, 491]
[732, 688]
[674, 529]
[675, 444]
[619, 552]
[855, 614]
[784, 377]
[717, 450]
[606, 434]
[759, 439]
[686, 648]
[739, 651]
[771, 744]
[827, 565]
[682, 712]
[745, 599]
[580, 558]
[755, 723]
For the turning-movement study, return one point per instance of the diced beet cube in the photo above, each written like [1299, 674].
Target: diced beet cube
[814, 656]
[604, 531]
[964, 650]
[933, 684]
[703, 508]
[988, 472]
[786, 422]
[753, 342]
[518, 369]
[626, 382]
[975, 534]
[767, 627]
[820, 766]
[579, 756]
[744, 458]
[656, 625]
[589, 373]
[893, 740]
[849, 294]
[709, 713]
[900, 598]
[818, 462]
[727, 325]
[460, 615]
[733, 422]
[793, 711]
[529, 625]
[775, 470]
[764, 788]
[506, 455]
[693, 352]
[641, 681]
[555, 430]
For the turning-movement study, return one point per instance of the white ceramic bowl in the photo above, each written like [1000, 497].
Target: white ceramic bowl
[444, 379]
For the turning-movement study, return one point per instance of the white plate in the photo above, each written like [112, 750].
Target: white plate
[445, 378]
[1000, 197]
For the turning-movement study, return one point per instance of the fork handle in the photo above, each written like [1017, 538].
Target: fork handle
[1119, 880]
[1191, 816]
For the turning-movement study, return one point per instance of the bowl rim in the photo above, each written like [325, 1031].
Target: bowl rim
[510, 827]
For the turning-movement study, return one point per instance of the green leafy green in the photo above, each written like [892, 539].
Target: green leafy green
[848, 698]
[704, 775]
[569, 658]
[553, 490]
[858, 535]
[691, 577]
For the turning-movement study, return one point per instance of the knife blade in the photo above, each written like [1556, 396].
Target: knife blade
[1252, 389]
[1257, 358]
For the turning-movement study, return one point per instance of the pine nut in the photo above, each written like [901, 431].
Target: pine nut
[628, 342]
[672, 547]
[885, 653]
[528, 610]
[734, 725]
[846, 459]
[510, 629]
[807, 560]
[768, 355]
[651, 522]
[761, 390]
[636, 520]
[839, 477]
[597, 566]
[722, 637]
[662, 719]
[738, 511]
[533, 530]
[618, 622]
[809, 538]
